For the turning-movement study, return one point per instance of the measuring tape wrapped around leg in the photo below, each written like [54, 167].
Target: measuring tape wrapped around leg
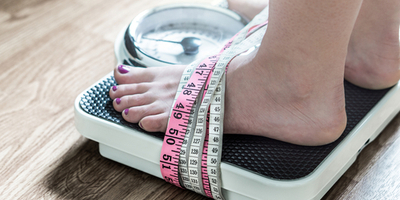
[191, 152]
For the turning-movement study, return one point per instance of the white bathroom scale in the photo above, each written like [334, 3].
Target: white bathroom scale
[252, 167]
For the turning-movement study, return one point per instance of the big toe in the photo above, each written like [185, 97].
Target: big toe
[154, 123]
[124, 74]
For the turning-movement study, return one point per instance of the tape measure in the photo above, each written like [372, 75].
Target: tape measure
[191, 152]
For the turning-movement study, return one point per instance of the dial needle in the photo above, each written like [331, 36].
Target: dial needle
[190, 45]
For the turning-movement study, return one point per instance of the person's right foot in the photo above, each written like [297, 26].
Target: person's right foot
[260, 100]
[263, 99]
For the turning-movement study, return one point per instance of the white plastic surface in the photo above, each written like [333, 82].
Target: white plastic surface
[138, 150]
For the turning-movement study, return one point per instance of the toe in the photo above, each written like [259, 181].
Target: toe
[135, 114]
[118, 91]
[155, 123]
[129, 101]
[124, 74]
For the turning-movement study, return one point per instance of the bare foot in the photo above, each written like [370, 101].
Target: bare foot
[146, 95]
[261, 100]
[255, 103]
[373, 59]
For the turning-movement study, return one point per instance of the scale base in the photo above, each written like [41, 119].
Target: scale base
[252, 167]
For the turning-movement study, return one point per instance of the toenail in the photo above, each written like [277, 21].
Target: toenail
[126, 111]
[114, 88]
[140, 124]
[123, 69]
[118, 100]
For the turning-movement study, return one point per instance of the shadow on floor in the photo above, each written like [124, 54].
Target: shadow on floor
[84, 174]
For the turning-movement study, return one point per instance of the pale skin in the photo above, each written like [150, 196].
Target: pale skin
[291, 89]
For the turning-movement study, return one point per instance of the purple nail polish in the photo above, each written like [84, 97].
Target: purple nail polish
[118, 100]
[114, 88]
[126, 111]
[123, 69]
[140, 124]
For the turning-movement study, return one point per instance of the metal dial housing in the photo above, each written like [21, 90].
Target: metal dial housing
[142, 45]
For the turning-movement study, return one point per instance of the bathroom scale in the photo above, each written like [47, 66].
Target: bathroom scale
[252, 167]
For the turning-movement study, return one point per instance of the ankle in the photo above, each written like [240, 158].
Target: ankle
[302, 74]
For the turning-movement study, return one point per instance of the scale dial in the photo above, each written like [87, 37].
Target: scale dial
[146, 38]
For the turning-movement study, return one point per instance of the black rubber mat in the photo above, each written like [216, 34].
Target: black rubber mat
[268, 157]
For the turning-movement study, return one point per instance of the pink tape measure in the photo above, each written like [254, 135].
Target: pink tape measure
[191, 152]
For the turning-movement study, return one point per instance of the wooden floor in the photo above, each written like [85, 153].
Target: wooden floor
[50, 51]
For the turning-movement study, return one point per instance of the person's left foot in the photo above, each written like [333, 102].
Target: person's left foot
[373, 57]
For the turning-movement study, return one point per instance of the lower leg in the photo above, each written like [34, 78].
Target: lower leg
[373, 59]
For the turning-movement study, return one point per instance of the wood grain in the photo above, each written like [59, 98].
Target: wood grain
[50, 51]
